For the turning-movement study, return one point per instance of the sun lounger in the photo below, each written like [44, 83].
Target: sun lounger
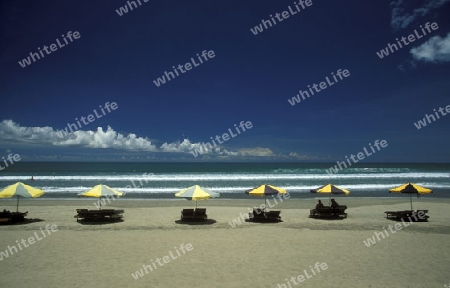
[259, 215]
[273, 215]
[11, 217]
[328, 212]
[200, 214]
[187, 214]
[5, 217]
[406, 215]
[98, 215]
[18, 216]
[339, 211]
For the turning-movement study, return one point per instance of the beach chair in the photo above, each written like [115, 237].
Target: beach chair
[81, 214]
[187, 214]
[339, 211]
[18, 216]
[323, 212]
[200, 214]
[273, 215]
[5, 217]
[257, 215]
[98, 215]
[407, 215]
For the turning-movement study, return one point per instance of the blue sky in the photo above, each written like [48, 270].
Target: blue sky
[250, 78]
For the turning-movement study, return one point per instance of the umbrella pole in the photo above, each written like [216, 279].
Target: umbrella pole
[410, 200]
[17, 208]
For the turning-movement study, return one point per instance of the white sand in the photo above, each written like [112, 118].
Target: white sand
[249, 255]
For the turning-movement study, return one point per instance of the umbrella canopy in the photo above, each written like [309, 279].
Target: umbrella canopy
[196, 193]
[101, 191]
[410, 188]
[20, 189]
[330, 189]
[264, 190]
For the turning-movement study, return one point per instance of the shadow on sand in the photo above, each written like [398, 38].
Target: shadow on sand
[97, 222]
[205, 222]
[23, 222]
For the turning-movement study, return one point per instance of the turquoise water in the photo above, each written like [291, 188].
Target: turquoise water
[162, 180]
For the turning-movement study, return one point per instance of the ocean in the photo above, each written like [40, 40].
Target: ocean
[64, 180]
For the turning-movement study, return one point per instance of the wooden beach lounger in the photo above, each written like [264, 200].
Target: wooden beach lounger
[407, 214]
[98, 215]
[187, 214]
[7, 217]
[273, 215]
[259, 215]
[198, 214]
[328, 212]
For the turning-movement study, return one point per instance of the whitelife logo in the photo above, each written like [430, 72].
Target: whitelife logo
[11, 250]
[284, 14]
[360, 156]
[225, 137]
[323, 85]
[62, 133]
[411, 38]
[124, 9]
[11, 160]
[145, 268]
[188, 66]
[53, 48]
[422, 123]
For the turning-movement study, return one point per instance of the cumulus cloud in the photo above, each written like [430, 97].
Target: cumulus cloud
[109, 138]
[9, 130]
[258, 151]
[436, 49]
[401, 17]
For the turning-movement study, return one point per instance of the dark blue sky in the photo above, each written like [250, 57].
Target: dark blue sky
[251, 78]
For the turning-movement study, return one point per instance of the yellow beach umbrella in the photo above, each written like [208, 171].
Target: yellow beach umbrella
[101, 191]
[20, 189]
[196, 193]
[331, 189]
[264, 190]
[410, 188]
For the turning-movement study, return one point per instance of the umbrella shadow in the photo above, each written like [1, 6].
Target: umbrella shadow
[328, 218]
[263, 221]
[99, 222]
[205, 222]
[24, 222]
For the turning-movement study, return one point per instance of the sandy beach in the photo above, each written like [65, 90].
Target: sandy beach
[248, 255]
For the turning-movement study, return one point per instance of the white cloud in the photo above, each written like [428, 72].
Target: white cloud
[436, 49]
[107, 139]
[98, 139]
[402, 18]
[258, 151]
[185, 146]
[9, 130]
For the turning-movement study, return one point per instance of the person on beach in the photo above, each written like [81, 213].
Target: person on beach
[319, 204]
[334, 204]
